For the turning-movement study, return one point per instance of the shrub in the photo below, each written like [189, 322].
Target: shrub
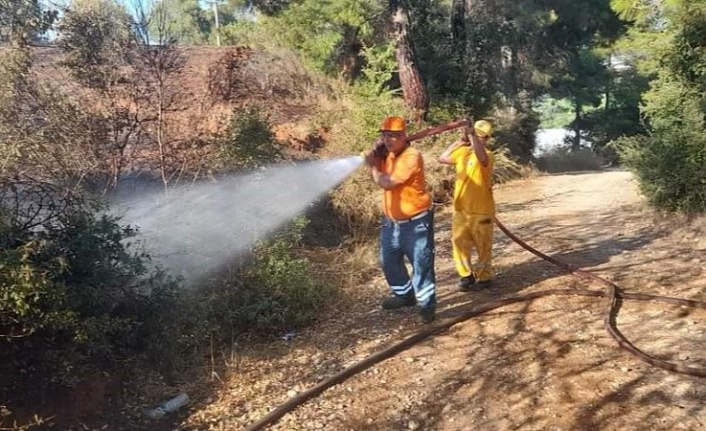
[669, 163]
[446, 111]
[28, 297]
[273, 290]
[371, 101]
[516, 130]
[247, 142]
[357, 205]
[77, 279]
[564, 159]
[670, 169]
[328, 33]
[97, 38]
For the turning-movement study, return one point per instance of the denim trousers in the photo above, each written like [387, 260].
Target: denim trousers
[414, 240]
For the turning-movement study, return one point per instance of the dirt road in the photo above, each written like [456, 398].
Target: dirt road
[542, 365]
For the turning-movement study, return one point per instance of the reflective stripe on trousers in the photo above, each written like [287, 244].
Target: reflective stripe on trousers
[415, 240]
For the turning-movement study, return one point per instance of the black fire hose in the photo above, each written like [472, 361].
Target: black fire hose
[614, 296]
[612, 292]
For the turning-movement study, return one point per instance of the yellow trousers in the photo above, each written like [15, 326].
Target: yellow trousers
[469, 232]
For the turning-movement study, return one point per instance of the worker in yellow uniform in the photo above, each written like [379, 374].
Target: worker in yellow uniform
[408, 224]
[473, 204]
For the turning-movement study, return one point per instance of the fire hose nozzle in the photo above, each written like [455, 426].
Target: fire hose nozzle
[380, 149]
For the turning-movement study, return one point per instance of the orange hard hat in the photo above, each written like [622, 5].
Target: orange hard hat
[393, 124]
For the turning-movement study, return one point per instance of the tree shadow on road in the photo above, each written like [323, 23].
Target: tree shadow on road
[596, 246]
[589, 245]
[554, 357]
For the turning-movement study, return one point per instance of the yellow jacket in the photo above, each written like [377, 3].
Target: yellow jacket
[473, 193]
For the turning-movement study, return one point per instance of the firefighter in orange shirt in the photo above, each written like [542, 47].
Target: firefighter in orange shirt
[474, 206]
[408, 224]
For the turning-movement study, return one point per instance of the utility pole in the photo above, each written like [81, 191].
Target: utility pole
[214, 4]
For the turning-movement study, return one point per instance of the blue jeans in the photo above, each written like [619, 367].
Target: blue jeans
[415, 240]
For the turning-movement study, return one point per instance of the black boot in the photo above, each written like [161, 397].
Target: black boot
[482, 285]
[465, 283]
[396, 301]
[428, 314]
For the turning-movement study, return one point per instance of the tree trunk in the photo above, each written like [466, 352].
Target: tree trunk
[413, 89]
[576, 145]
[458, 26]
[160, 138]
[610, 82]
[350, 48]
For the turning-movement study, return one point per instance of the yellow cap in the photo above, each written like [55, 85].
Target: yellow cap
[393, 124]
[483, 128]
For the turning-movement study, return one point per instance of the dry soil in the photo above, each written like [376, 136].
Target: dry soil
[542, 365]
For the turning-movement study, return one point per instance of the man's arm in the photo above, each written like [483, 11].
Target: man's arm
[445, 157]
[406, 166]
[479, 149]
[385, 181]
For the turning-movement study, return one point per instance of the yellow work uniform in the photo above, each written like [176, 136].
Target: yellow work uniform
[474, 209]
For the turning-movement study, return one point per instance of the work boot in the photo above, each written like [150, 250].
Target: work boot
[465, 283]
[428, 314]
[483, 285]
[396, 301]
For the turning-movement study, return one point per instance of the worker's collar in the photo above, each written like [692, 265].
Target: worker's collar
[394, 156]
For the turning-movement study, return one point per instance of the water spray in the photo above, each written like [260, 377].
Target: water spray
[198, 229]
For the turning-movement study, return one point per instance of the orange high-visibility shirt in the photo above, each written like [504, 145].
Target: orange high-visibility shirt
[473, 193]
[410, 197]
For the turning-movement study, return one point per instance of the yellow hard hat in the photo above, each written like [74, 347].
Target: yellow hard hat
[483, 128]
[393, 124]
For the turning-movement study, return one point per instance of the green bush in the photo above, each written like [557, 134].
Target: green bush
[273, 290]
[76, 280]
[97, 38]
[554, 113]
[173, 326]
[27, 296]
[446, 111]
[371, 98]
[669, 163]
[247, 142]
[669, 167]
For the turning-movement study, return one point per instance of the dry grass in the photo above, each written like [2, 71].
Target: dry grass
[344, 266]
[357, 202]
